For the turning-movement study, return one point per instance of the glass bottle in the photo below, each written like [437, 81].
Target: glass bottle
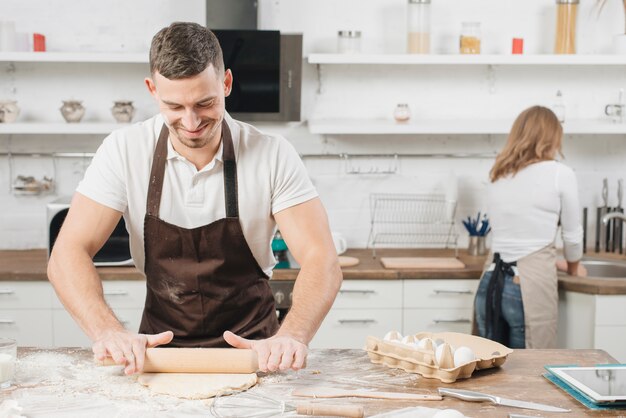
[470, 38]
[559, 107]
[418, 25]
[565, 40]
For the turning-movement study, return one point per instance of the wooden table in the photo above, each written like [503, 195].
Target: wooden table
[65, 383]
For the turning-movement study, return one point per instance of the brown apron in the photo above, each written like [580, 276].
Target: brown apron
[203, 281]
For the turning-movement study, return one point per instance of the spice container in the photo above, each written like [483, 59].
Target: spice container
[418, 25]
[559, 107]
[349, 41]
[402, 113]
[470, 38]
[565, 40]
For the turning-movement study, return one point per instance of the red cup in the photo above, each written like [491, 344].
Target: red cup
[39, 42]
[518, 46]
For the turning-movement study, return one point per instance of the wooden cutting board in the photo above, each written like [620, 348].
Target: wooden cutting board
[422, 263]
[345, 261]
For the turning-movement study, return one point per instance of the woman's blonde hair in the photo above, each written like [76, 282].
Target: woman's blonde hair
[535, 136]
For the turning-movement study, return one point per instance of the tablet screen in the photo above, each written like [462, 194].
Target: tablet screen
[600, 383]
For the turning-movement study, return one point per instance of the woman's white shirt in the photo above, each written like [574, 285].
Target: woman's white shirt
[524, 211]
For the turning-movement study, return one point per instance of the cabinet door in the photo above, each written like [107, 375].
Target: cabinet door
[348, 328]
[448, 294]
[612, 339]
[67, 333]
[437, 320]
[25, 295]
[356, 294]
[125, 294]
[29, 327]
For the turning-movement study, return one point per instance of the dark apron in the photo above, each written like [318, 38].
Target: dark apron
[495, 324]
[203, 281]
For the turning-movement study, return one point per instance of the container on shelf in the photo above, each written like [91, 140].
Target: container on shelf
[402, 112]
[418, 25]
[9, 111]
[72, 110]
[470, 38]
[123, 111]
[559, 107]
[565, 39]
[349, 41]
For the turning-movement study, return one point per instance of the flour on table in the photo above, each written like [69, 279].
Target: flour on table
[196, 385]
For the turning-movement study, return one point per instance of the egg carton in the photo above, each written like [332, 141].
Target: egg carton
[422, 360]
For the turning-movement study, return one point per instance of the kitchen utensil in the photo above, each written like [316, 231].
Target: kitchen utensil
[468, 395]
[324, 392]
[523, 416]
[584, 230]
[255, 405]
[601, 211]
[196, 360]
[618, 225]
[421, 263]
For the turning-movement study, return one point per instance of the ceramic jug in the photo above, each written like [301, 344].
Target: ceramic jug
[72, 110]
[123, 111]
[9, 111]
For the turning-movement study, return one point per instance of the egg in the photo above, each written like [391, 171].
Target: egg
[427, 344]
[448, 413]
[463, 355]
[393, 336]
[408, 339]
[439, 352]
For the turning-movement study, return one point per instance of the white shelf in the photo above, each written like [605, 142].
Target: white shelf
[85, 128]
[102, 57]
[452, 126]
[411, 59]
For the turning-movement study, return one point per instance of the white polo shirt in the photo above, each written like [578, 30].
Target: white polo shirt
[270, 177]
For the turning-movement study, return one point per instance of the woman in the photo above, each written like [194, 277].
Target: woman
[530, 192]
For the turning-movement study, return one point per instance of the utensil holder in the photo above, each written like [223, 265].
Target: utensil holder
[477, 245]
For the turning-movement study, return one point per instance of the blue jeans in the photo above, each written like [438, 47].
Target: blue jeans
[512, 309]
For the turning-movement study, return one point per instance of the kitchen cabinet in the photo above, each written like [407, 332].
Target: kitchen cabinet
[25, 312]
[597, 321]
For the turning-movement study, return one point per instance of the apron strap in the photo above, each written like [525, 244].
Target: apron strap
[157, 173]
[497, 328]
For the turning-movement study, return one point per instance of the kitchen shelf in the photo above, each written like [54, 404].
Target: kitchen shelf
[458, 59]
[60, 128]
[102, 57]
[452, 126]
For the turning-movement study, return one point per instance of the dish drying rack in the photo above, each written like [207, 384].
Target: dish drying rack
[412, 221]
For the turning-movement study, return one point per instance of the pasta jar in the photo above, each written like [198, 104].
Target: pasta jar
[418, 25]
[470, 38]
[565, 40]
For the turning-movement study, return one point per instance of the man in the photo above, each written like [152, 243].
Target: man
[201, 194]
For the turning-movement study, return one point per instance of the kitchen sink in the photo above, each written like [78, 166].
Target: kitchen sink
[605, 269]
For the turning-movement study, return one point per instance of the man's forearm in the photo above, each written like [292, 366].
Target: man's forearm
[78, 286]
[314, 292]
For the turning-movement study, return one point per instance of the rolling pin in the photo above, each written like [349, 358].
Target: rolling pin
[196, 360]
[324, 392]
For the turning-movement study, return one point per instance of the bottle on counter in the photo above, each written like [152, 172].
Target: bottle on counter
[279, 248]
[558, 107]
[418, 25]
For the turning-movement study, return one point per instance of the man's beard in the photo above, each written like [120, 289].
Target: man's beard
[197, 142]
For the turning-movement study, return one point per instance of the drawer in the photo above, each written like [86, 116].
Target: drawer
[449, 294]
[26, 295]
[127, 294]
[611, 310]
[355, 294]
[349, 328]
[30, 328]
[67, 333]
[437, 320]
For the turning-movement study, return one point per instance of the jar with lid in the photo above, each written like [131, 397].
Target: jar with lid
[470, 38]
[349, 41]
[402, 112]
[565, 40]
[418, 27]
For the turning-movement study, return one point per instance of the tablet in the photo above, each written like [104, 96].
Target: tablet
[600, 383]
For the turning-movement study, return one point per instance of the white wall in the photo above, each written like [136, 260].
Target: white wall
[346, 91]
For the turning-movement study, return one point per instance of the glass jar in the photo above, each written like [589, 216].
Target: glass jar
[418, 27]
[349, 41]
[565, 40]
[402, 113]
[470, 38]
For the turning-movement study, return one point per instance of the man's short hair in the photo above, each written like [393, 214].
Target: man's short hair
[185, 49]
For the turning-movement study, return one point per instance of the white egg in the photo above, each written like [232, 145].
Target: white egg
[439, 353]
[408, 339]
[393, 336]
[427, 343]
[463, 355]
[448, 413]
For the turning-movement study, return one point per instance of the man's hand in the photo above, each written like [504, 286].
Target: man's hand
[279, 352]
[573, 269]
[128, 348]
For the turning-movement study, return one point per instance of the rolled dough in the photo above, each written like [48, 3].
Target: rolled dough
[196, 385]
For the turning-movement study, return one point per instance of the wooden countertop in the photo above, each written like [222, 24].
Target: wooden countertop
[65, 382]
[30, 265]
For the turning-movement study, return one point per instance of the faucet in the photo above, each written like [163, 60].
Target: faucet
[611, 215]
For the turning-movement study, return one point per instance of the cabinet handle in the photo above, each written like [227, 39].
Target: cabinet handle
[115, 292]
[6, 292]
[7, 321]
[452, 321]
[357, 321]
[456, 292]
[356, 291]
